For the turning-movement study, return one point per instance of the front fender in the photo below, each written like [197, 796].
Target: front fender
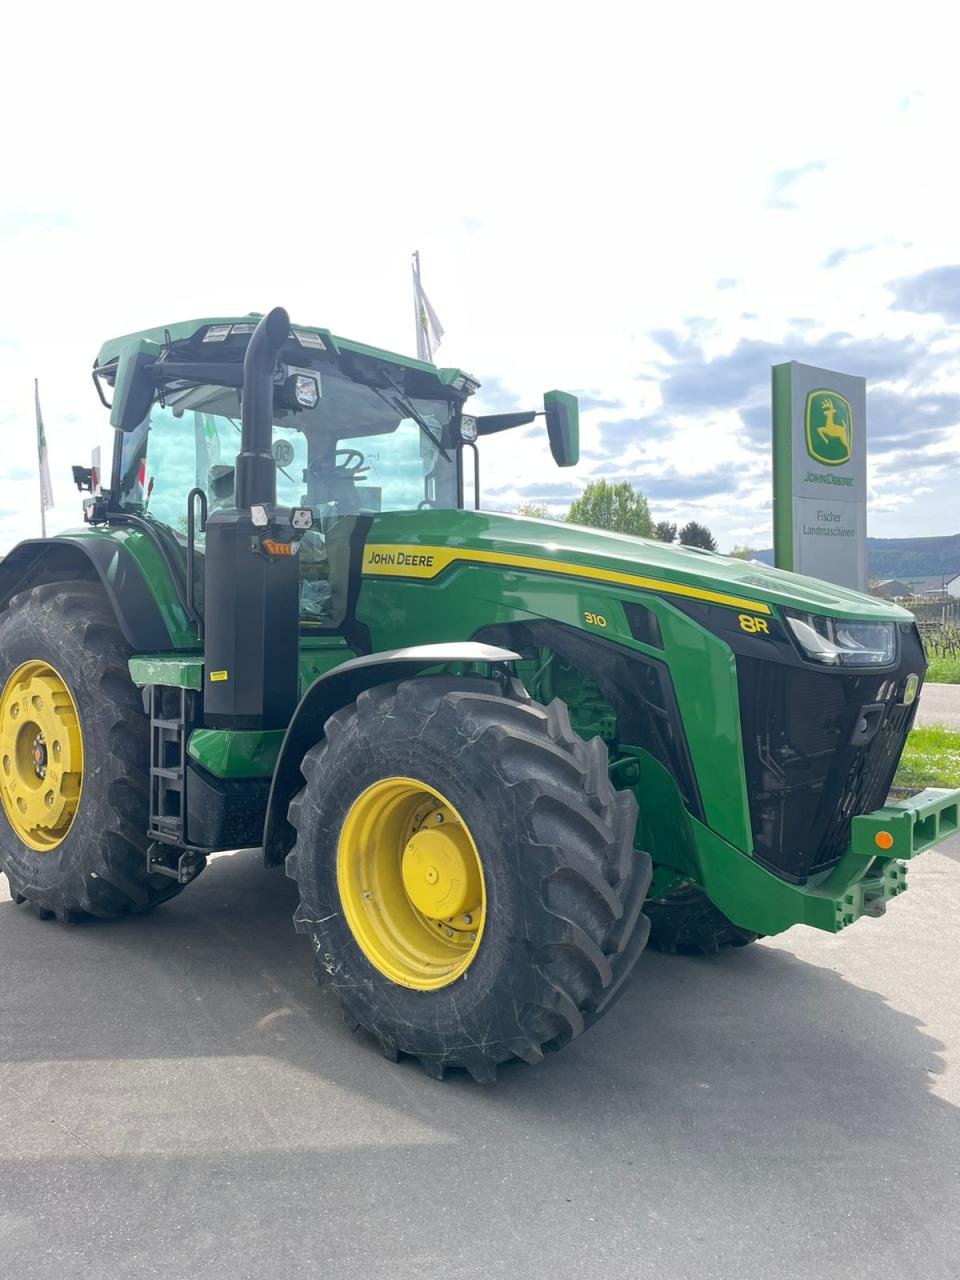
[104, 559]
[337, 689]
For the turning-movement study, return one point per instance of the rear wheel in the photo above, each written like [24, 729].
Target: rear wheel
[687, 922]
[74, 748]
[467, 874]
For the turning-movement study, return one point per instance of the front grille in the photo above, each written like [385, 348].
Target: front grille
[806, 780]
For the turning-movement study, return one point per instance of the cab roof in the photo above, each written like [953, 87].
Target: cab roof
[322, 339]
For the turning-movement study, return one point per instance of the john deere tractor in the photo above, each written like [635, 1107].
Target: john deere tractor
[496, 754]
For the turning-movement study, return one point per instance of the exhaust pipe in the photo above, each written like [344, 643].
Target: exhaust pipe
[256, 472]
[251, 613]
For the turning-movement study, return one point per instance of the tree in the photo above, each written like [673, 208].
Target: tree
[617, 507]
[697, 535]
[664, 531]
[538, 510]
[742, 553]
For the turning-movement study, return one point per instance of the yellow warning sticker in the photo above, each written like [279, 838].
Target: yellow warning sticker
[219, 675]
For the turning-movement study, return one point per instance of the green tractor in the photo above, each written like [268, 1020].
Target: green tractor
[496, 754]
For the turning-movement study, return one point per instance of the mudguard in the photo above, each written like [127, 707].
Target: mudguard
[336, 689]
[65, 559]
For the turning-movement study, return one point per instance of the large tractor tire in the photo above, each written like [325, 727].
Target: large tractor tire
[74, 759]
[467, 873]
[686, 922]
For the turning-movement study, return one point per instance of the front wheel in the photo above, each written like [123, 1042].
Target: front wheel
[467, 874]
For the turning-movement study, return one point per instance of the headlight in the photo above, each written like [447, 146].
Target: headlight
[836, 642]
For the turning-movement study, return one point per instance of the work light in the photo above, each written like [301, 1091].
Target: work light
[305, 390]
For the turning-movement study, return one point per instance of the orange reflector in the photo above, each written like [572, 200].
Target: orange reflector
[274, 548]
[883, 840]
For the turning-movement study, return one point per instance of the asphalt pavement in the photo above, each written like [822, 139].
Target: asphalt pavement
[178, 1099]
[940, 704]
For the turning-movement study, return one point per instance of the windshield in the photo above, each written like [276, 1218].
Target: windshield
[356, 451]
[353, 452]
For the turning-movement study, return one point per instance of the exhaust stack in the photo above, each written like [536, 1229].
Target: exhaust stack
[251, 599]
[256, 473]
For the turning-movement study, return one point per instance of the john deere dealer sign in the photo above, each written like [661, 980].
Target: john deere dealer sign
[820, 473]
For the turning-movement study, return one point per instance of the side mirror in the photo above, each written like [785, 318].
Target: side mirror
[134, 386]
[563, 427]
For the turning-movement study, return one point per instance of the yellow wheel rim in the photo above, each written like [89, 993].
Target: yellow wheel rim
[411, 883]
[41, 755]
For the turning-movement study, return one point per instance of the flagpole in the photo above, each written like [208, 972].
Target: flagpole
[423, 340]
[46, 487]
[43, 506]
[429, 328]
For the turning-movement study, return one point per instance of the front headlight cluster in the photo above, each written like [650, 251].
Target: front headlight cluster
[836, 642]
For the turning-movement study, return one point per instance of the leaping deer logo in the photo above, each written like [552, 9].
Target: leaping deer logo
[828, 421]
[831, 429]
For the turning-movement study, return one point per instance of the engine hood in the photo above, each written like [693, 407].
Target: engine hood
[422, 543]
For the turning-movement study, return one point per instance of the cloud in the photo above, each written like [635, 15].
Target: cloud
[590, 400]
[666, 485]
[675, 344]
[913, 461]
[619, 435]
[494, 396]
[896, 420]
[935, 291]
[783, 182]
[741, 377]
[15, 222]
[726, 282]
[838, 256]
[757, 419]
[546, 491]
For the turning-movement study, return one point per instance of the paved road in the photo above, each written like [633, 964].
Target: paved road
[178, 1100]
[940, 704]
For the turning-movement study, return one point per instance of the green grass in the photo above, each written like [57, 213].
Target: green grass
[944, 670]
[931, 758]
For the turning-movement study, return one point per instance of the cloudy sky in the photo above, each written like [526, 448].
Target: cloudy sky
[648, 205]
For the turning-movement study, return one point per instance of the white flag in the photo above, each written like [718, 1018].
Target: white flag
[46, 488]
[429, 328]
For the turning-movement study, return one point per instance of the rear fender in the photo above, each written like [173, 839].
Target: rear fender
[103, 560]
[337, 689]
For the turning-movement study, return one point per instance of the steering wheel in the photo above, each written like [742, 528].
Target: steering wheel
[349, 455]
[353, 467]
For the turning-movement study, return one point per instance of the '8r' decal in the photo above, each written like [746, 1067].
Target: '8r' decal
[753, 626]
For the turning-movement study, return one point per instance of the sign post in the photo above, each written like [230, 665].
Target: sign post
[820, 474]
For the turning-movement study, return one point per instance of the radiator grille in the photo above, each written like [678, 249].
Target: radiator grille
[806, 780]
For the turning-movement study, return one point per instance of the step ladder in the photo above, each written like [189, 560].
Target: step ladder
[168, 763]
[168, 853]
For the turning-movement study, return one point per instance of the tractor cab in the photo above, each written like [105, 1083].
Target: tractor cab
[355, 431]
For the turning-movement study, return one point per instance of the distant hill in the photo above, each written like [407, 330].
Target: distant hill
[906, 558]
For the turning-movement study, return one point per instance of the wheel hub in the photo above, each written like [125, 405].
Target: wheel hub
[411, 883]
[440, 871]
[41, 755]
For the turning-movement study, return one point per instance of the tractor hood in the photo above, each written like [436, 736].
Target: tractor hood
[424, 543]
